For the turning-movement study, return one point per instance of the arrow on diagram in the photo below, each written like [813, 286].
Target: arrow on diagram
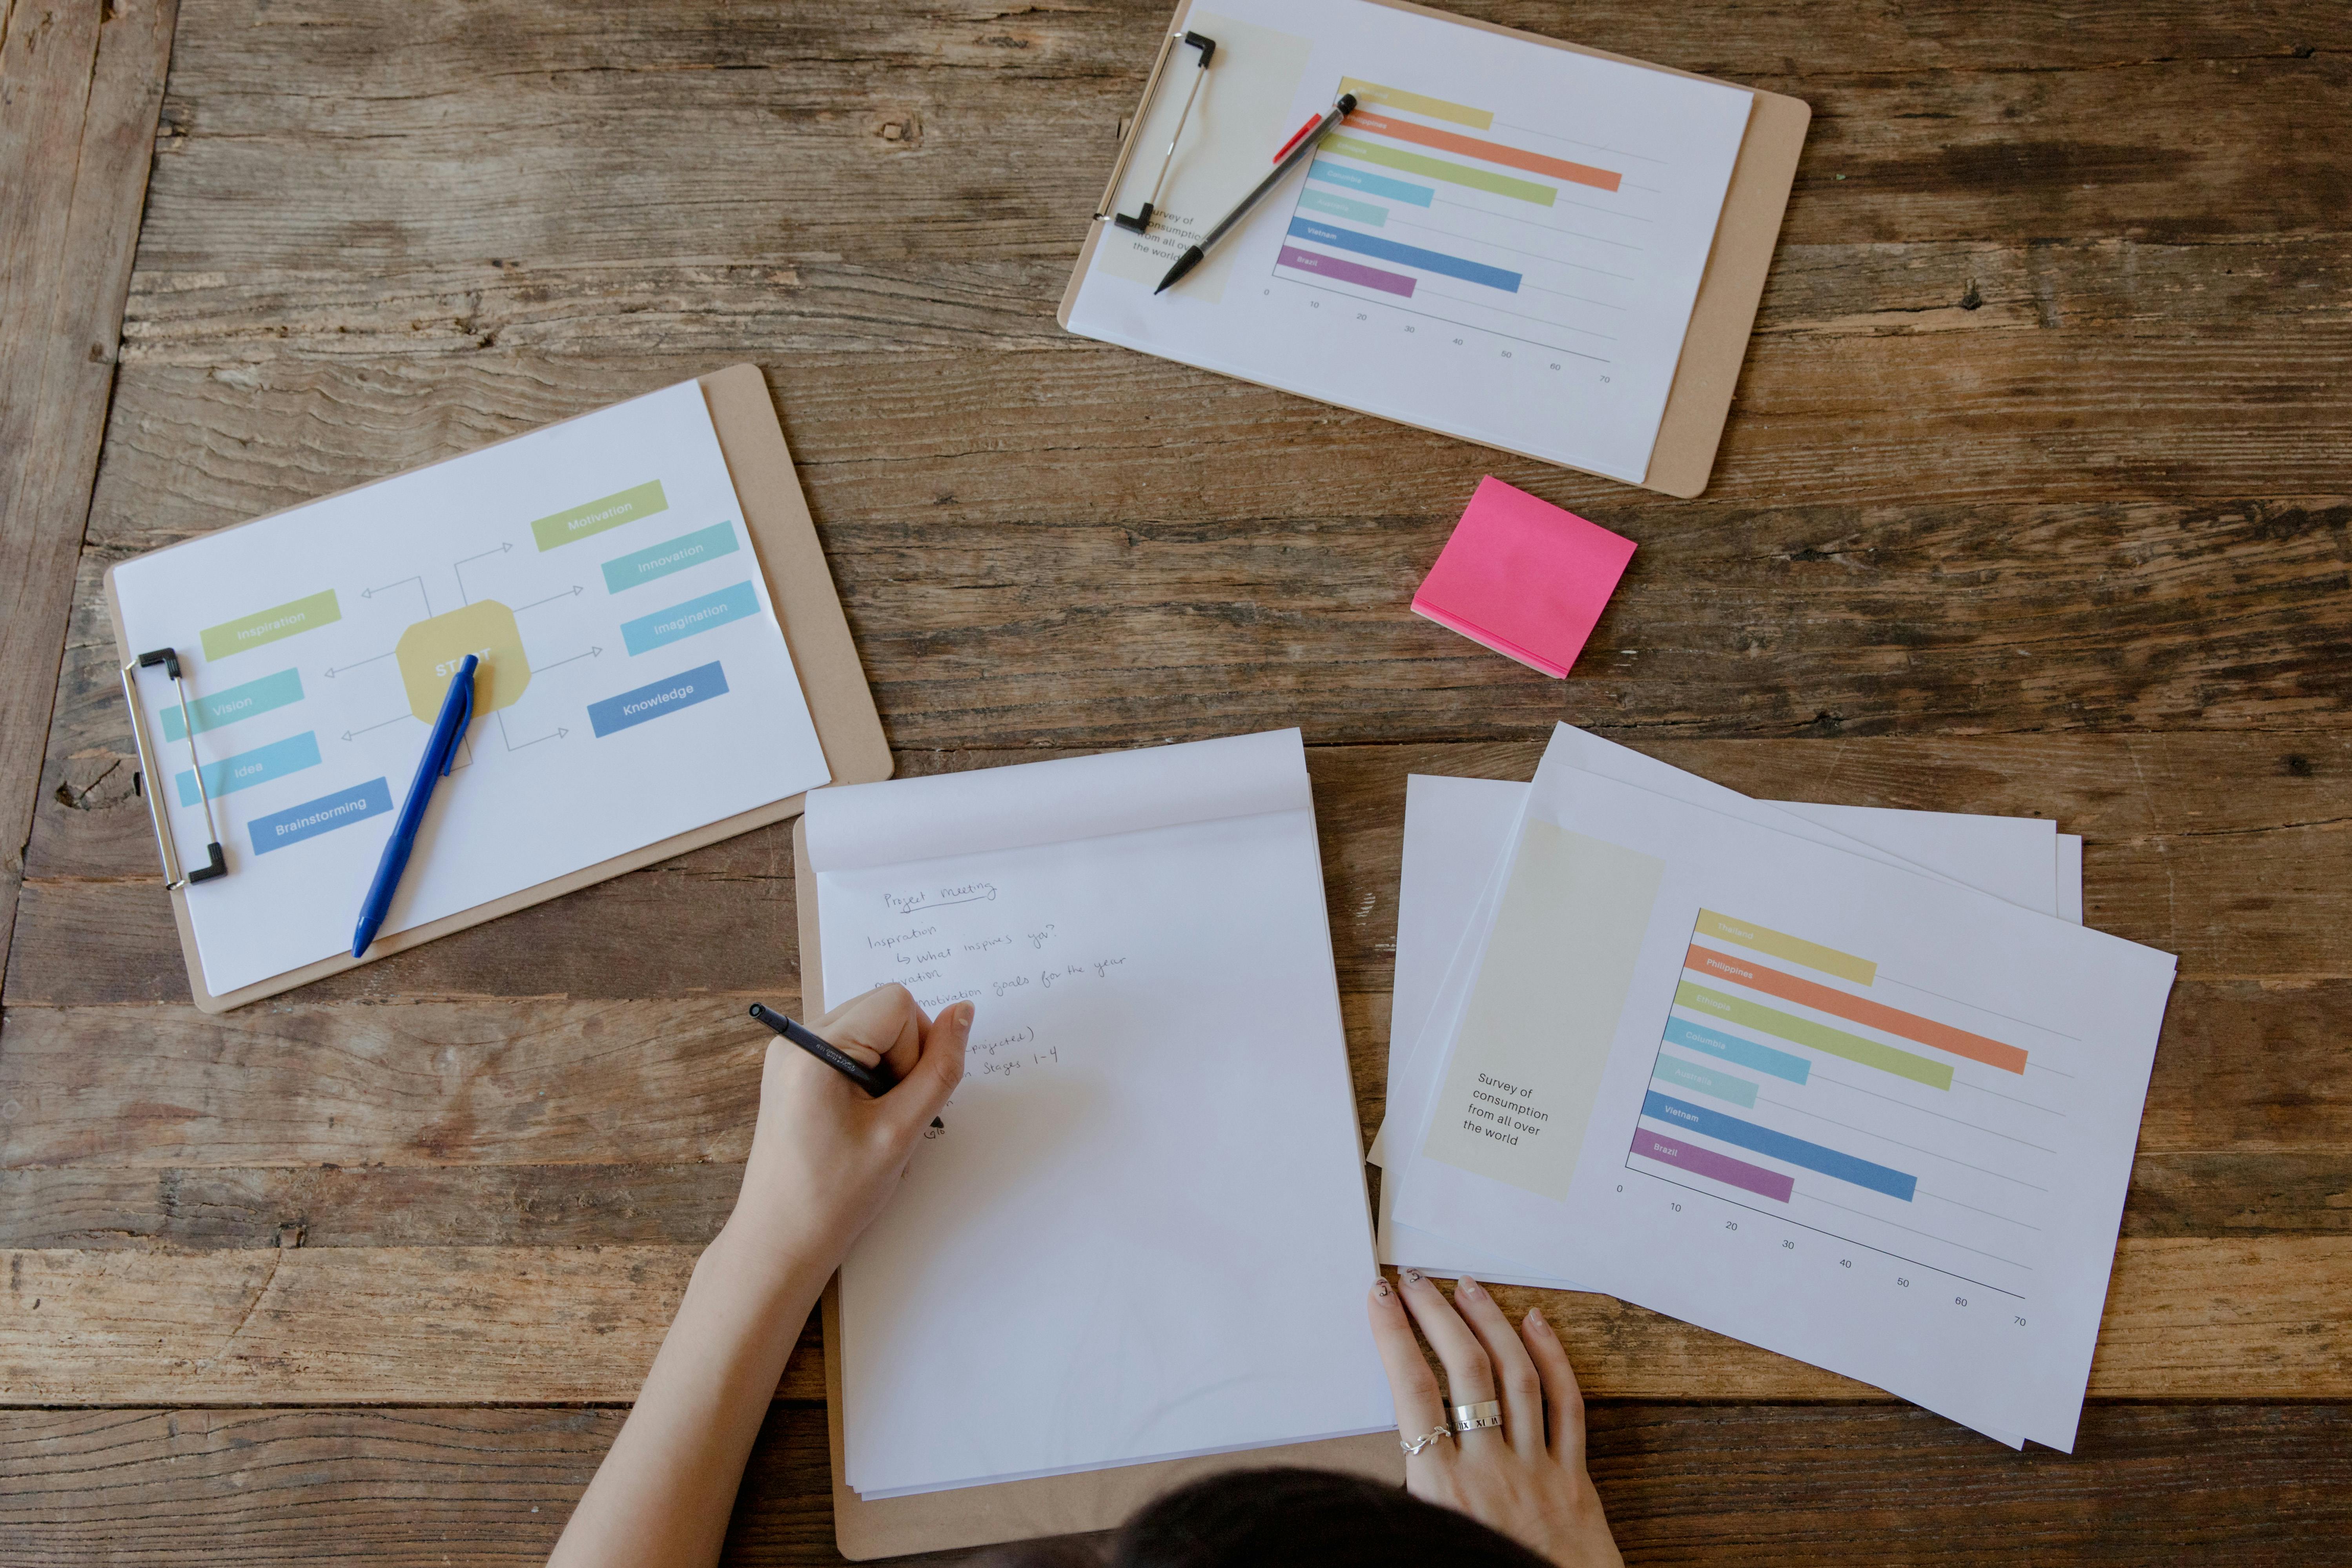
[512, 745]
[336, 669]
[576, 659]
[355, 734]
[456, 569]
[404, 582]
[572, 592]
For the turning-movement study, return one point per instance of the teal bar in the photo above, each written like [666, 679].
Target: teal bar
[1720, 1086]
[1317, 201]
[246, 769]
[696, 616]
[660, 560]
[237, 703]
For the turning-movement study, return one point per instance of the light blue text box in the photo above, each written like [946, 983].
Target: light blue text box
[1717, 1085]
[246, 769]
[631, 709]
[1314, 201]
[682, 621]
[236, 703]
[678, 554]
[323, 815]
[1357, 179]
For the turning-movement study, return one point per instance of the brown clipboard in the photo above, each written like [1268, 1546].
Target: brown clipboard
[1724, 312]
[1048, 1505]
[783, 540]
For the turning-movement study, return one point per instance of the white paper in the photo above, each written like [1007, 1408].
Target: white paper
[666, 616]
[1504, 243]
[1987, 1309]
[1142, 1233]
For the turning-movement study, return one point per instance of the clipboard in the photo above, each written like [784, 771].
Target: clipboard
[1723, 312]
[1048, 1505]
[783, 540]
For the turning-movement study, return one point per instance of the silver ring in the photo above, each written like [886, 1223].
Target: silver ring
[1477, 1418]
[1412, 1449]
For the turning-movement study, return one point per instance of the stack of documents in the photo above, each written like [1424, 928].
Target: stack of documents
[1851, 1085]
[1140, 1232]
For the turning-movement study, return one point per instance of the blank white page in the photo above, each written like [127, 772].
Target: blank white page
[1142, 1232]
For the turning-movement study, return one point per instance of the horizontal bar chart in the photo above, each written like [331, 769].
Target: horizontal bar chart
[1857, 1009]
[1485, 150]
[1692, 1036]
[1315, 201]
[1723, 1086]
[1820, 1037]
[1439, 169]
[1802, 1153]
[1419, 103]
[1381, 250]
[1686, 1156]
[1371, 185]
[1345, 271]
[1780, 945]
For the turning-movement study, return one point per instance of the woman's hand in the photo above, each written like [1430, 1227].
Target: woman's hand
[1525, 1478]
[826, 1155]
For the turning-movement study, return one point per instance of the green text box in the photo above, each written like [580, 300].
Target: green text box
[675, 555]
[237, 703]
[612, 511]
[269, 625]
[1439, 169]
[1820, 1036]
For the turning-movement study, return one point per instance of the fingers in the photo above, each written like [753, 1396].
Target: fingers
[934, 1076]
[883, 1025]
[1410, 1383]
[1469, 1376]
[1515, 1372]
[1563, 1399]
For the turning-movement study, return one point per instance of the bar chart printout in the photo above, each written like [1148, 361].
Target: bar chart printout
[1800, 1080]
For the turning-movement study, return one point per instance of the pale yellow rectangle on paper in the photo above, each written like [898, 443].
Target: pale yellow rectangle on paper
[1780, 945]
[1419, 103]
[1543, 1010]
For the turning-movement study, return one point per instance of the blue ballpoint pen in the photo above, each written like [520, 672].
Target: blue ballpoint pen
[440, 752]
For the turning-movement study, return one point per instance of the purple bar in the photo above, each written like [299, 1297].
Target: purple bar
[1345, 271]
[1707, 1163]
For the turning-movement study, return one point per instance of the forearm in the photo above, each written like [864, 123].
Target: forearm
[662, 1496]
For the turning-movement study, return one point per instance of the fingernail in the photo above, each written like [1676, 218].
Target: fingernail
[961, 1014]
[1413, 1277]
[1466, 1286]
[1381, 1288]
[1534, 1316]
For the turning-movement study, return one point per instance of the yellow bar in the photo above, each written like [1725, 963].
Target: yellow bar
[1780, 945]
[1415, 103]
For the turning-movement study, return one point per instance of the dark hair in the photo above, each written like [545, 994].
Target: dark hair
[1244, 1518]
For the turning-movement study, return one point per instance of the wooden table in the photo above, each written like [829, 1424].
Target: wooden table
[2036, 499]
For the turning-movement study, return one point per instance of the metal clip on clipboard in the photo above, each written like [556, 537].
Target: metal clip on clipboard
[217, 864]
[1141, 222]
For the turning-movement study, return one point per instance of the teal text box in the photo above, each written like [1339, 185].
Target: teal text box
[1721, 1086]
[660, 559]
[246, 769]
[696, 616]
[1315, 201]
[236, 703]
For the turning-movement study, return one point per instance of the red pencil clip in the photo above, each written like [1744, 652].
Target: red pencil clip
[1312, 121]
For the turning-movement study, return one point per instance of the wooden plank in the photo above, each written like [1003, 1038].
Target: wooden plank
[2238, 1318]
[2243, 1068]
[79, 87]
[196, 1208]
[1729, 1484]
[2227, 851]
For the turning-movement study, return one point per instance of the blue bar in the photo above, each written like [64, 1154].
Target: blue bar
[682, 621]
[323, 815]
[672, 555]
[1408, 255]
[1732, 1048]
[1340, 206]
[1373, 184]
[631, 709]
[245, 770]
[237, 703]
[1716, 1085]
[1780, 1146]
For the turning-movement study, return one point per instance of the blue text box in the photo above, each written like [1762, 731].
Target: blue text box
[1405, 255]
[1799, 1152]
[236, 703]
[323, 815]
[634, 707]
[1732, 1048]
[678, 554]
[696, 616]
[246, 769]
[1376, 184]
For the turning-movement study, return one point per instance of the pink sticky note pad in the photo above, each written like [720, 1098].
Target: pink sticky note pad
[1524, 577]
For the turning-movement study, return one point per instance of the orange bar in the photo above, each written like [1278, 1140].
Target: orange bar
[1492, 151]
[1877, 1014]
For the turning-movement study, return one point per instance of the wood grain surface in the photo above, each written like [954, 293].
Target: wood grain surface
[2036, 498]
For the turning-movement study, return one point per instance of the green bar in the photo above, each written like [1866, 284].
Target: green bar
[612, 511]
[237, 703]
[1820, 1036]
[1419, 103]
[1439, 169]
[269, 625]
[1706, 1081]
[1315, 201]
